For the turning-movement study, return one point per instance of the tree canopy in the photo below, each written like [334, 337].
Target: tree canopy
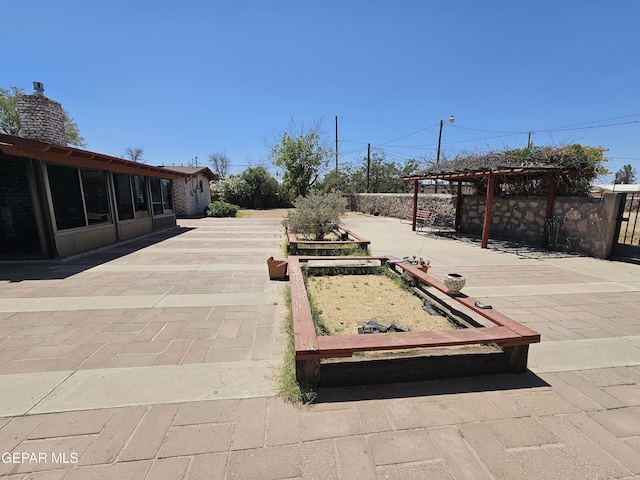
[10, 119]
[302, 156]
[625, 175]
[219, 164]
[253, 188]
[135, 154]
[383, 176]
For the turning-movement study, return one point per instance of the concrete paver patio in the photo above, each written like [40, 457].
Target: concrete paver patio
[155, 359]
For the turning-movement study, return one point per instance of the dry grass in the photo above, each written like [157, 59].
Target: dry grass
[347, 301]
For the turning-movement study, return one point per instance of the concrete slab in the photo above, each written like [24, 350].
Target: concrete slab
[212, 300]
[548, 289]
[120, 387]
[47, 304]
[20, 392]
[584, 354]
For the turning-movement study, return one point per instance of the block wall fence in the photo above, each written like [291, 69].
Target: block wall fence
[582, 225]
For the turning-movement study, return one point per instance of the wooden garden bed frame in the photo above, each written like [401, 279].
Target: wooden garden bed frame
[512, 336]
[354, 239]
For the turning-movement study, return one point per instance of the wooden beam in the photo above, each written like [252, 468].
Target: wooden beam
[415, 205]
[458, 218]
[551, 193]
[486, 226]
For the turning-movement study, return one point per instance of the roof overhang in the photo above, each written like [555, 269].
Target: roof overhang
[50, 152]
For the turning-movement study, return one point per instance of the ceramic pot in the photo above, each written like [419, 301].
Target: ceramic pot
[454, 282]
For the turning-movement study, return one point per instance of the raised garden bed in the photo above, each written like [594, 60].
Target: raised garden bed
[491, 342]
[345, 243]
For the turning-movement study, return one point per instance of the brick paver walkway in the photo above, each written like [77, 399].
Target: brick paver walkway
[197, 308]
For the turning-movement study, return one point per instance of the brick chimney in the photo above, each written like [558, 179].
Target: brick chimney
[40, 117]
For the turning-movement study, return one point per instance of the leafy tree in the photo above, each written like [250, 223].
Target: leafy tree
[263, 188]
[317, 214]
[234, 189]
[384, 176]
[220, 164]
[625, 175]
[10, 119]
[134, 153]
[338, 180]
[302, 156]
[253, 188]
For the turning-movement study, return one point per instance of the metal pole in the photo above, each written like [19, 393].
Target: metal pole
[435, 184]
[336, 143]
[439, 141]
[368, 165]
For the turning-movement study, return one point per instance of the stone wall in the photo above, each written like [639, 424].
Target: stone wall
[399, 205]
[41, 119]
[579, 225]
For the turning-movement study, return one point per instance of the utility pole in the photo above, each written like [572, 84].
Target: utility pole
[529, 140]
[336, 143]
[368, 165]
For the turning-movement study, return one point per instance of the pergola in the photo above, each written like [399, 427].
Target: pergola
[504, 175]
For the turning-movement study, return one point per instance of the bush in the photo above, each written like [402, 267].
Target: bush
[234, 190]
[317, 214]
[221, 209]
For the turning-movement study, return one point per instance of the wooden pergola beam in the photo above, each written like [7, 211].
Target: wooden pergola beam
[486, 226]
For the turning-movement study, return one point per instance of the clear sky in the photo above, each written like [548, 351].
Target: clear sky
[188, 78]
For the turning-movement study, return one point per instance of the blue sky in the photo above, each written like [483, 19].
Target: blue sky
[185, 79]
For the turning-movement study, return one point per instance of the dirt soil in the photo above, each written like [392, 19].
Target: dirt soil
[347, 301]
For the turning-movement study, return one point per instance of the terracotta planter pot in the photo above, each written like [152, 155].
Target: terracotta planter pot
[277, 269]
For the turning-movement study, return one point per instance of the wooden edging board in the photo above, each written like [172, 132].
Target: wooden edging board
[507, 333]
[356, 240]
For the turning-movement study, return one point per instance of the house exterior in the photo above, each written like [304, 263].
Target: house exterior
[57, 201]
[191, 193]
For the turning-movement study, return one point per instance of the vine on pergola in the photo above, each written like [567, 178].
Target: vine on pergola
[538, 164]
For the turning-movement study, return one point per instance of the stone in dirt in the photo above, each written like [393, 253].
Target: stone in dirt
[374, 327]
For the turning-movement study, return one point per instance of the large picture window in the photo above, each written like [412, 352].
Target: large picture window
[66, 196]
[79, 196]
[161, 196]
[124, 199]
[139, 193]
[96, 199]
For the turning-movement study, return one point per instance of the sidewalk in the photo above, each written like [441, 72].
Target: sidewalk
[156, 360]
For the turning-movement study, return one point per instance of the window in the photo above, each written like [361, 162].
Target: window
[66, 195]
[80, 196]
[161, 196]
[124, 199]
[96, 199]
[139, 193]
[167, 197]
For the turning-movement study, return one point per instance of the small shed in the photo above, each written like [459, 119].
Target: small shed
[191, 193]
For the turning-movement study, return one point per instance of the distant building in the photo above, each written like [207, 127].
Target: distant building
[192, 194]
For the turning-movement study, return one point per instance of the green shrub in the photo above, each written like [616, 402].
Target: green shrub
[317, 214]
[221, 209]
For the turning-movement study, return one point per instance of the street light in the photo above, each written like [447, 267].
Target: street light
[451, 120]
